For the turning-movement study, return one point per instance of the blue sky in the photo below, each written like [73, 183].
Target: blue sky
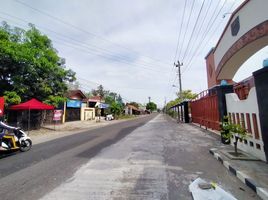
[128, 46]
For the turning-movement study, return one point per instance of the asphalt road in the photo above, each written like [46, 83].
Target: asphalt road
[33, 174]
[143, 159]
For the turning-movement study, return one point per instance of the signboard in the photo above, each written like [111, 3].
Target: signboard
[57, 115]
[74, 104]
[104, 105]
[2, 103]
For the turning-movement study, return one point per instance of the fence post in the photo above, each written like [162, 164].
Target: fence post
[186, 112]
[221, 91]
[261, 85]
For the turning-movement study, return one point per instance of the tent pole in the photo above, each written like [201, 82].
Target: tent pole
[29, 118]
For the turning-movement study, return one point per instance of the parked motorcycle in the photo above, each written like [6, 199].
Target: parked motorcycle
[18, 140]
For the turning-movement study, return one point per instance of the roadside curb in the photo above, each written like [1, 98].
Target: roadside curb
[247, 180]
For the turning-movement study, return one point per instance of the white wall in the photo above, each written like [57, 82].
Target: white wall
[249, 105]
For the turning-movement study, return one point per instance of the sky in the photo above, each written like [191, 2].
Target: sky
[130, 46]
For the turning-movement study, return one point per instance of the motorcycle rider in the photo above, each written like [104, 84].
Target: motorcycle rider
[3, 128]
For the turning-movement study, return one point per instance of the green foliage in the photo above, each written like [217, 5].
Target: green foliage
[135, 104]
[230, 130]
[186, 95]
[151, 106]
[120, 100]
[116, 109]
[172, 113]
[109, 100]
[100, 92]
[11, 98]
[30, 66]
[55, 100]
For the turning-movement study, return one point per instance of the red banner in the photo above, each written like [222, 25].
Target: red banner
[57, 115]
[2, 102]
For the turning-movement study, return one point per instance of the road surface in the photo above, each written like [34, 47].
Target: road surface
[146, 158]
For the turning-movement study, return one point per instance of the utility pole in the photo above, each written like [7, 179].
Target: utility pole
[149, 99]
[179, 73]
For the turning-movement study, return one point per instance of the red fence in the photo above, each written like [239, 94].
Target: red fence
[205, 110]
[242, 88]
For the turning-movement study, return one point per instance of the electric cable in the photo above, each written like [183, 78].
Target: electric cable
[94, 51]
[187, 25]
[82, 30]
[196, 22]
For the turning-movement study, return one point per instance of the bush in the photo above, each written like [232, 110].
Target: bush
[230, 130]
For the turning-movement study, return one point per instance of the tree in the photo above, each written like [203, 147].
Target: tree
[186, 95]
[30, 66]
[100, 92]
[134, 104]
[230, 130]
[116, 109]
[109, 100]
[120, 100]
[151, 106]
[11, 98]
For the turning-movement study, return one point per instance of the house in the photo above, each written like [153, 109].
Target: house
[131, 110]
[76, 107]
[98, 102]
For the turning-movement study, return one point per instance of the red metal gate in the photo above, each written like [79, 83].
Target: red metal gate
[205, 110]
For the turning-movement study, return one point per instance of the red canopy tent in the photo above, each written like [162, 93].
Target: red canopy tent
[32, 104]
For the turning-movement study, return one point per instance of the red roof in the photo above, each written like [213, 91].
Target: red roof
[76, 94]
[32, 104]
[95, 99]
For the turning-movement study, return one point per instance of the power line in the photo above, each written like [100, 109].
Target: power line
[98, 85]
[200, 27]
[94, 51]
[197, 20]
[188, 21]
[95, 83]
[82, 30]
[178, 41]
[70, 38]
[203, 38]
[177, 46]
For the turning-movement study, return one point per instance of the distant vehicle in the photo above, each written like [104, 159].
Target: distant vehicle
[109, 117]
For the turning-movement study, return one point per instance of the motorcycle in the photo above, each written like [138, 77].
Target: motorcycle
[18, 140]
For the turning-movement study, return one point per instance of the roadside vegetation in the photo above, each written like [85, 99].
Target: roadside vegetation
[183, 96]
[31, 67]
